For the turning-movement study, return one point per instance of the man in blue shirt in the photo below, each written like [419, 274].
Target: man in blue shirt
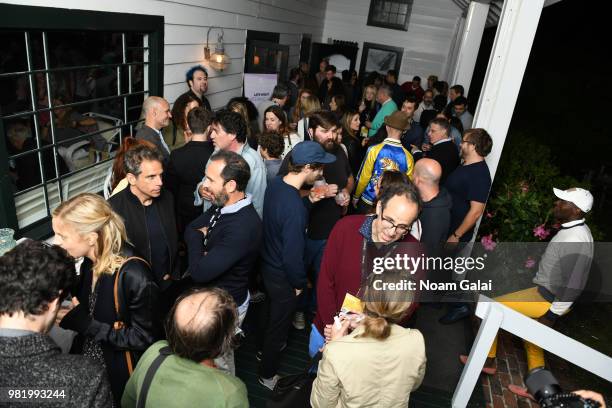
[284, 230]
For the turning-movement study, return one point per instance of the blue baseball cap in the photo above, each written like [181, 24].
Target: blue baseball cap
[310, 152]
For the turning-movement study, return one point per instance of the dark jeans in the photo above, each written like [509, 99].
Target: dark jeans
[313, 255]
[281, 302]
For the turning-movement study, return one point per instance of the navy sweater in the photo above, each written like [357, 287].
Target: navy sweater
[233, 246]
[284, 231]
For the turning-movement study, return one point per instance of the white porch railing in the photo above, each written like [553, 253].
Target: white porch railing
[496, 316]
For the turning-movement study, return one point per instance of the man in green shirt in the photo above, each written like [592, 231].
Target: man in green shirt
[200, 328]
[383, 96]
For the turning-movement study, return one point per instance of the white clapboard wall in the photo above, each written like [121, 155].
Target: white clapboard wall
[426, 44]
[186, 24]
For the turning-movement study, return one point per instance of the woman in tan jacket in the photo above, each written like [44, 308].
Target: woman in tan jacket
[379, 363]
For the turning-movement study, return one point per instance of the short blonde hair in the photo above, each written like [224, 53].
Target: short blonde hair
[88, 213]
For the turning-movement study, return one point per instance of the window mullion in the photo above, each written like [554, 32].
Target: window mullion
[51, 120]
[37, 135]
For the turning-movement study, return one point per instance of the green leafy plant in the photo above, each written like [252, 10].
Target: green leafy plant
[521, 199]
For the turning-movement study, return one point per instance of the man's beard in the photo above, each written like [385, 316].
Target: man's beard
[330, 145]
[220, 199]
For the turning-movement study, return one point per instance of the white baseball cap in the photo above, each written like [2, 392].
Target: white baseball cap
[580, 197]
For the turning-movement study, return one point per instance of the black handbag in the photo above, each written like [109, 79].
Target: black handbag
[293, 391]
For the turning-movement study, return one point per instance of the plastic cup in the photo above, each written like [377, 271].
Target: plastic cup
[320, 187]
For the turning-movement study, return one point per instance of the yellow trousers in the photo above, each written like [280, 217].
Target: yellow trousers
[530, 303]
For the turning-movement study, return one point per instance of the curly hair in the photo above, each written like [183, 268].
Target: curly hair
[192, 70]
[205, 327]
[273, 143]
[32, 275]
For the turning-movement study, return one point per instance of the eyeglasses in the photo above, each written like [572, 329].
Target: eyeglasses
[467, 141]
[389, 224]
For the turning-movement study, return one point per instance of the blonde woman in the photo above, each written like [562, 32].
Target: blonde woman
[380, 363]
[352, 139]
[113, 306]
[310, 104]
[368, 107]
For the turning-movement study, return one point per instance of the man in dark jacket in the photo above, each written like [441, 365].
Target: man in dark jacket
[148, 213]
[437, 203]
[157, 116]
[187, 165]
[442, 149]
[223, 243]
[197, 81]
[34, 278]
[283, 269]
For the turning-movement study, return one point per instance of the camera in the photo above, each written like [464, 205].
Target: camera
[547, 392]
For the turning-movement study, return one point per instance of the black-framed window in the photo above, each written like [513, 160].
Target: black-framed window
[71, 88]
[394, 14]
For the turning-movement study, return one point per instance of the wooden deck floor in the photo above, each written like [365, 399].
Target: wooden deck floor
[444, 344]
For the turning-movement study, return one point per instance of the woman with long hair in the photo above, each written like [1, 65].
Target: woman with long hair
[368, 107]
[337, 104]
[297, 112]
[175, 133]
[351, 138]
[114, 305]
[392, 357]
[310, 104]
[276, 121]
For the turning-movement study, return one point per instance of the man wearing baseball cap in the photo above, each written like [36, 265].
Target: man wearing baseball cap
[388, 155]
[562, 274]
[285, 218]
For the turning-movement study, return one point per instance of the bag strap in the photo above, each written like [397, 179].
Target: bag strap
[164, 352]
[306, 135]
[119, 324]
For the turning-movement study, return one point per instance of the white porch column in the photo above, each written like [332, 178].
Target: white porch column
[469, 44]
[515, 33]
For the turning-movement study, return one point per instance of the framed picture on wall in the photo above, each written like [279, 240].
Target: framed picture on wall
[380, 58]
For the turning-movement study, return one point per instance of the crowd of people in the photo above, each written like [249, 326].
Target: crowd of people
[211, 212]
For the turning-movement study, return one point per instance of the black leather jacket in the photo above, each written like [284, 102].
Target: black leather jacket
[138, 297]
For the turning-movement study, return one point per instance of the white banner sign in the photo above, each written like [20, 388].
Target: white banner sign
[259, 87]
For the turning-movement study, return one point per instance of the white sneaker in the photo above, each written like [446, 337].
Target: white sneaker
[269, 383]
[299, 321]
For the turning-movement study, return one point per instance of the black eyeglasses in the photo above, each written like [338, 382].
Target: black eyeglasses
[389, 224]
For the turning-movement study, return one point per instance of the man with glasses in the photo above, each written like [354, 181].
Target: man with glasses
[345, 267]
[442, 149]
[469, 187]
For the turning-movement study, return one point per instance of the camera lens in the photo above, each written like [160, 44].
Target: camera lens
[541, 384]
